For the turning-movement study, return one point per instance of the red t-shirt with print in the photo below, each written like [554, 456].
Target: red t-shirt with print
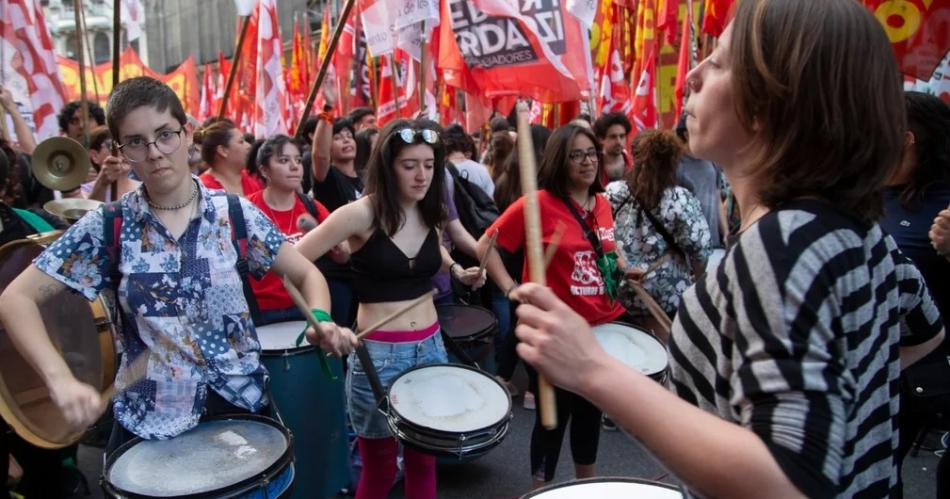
[249, 183]
[573, 274]
[269, 291]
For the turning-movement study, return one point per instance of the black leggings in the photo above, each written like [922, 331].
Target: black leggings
[584, 419]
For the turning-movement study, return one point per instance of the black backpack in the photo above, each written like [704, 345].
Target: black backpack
[477, 211]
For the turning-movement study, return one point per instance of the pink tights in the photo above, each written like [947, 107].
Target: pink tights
[379, 470]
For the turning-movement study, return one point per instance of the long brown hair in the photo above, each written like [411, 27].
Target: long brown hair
[656, 153]
[381, 181]
[552, 174]
[211, 137]
[818, 84]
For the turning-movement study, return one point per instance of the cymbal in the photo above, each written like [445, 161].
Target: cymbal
[71, 209]
[60, 163]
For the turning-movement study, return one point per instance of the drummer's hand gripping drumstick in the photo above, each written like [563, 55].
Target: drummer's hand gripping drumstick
[533, 253]
[301, 304]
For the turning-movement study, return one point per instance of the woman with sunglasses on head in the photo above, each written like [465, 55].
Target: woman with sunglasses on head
[785, 359]
[225, 151]
[176, 267]
[394, 233]
[583, 272]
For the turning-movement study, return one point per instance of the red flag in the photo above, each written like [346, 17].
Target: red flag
[271, 97]
[686, 60]
[716, 16]
[208, 92]
[494, 47]
[402, 84]
[666, 19]
[33, 75]
[644, 100]
[918, 31]
[359, 89]
[247, 68]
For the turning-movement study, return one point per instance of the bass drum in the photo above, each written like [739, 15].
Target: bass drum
[83, 334]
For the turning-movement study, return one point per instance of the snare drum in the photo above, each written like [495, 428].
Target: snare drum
[607, 488]
[634, 347]
[81, 331]
[473, 329]
[448, 410]
[311, 405]
[243, 456]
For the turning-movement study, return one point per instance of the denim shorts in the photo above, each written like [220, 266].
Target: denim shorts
[390, 360]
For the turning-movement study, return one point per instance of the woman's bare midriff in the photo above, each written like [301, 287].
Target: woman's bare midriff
[421, 316]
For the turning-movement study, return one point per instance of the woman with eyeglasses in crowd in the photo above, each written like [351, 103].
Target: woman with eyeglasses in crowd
[225, 151]
[107, 170]
[394, 233]
[583, 272]
[173, 267]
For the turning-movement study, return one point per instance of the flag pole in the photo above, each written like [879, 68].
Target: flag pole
[395, 80]
[325, 64]
[116, 36]
[92, 60]
[235, 62]
[422, 73]
[83, 103]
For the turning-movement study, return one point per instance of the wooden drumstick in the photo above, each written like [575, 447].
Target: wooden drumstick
[552, 246]
[136, 372]
[491, 246]
[533, 253]
[655, 265]
[652, 306]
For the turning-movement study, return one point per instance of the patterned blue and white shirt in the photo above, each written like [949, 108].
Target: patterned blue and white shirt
[182, 303]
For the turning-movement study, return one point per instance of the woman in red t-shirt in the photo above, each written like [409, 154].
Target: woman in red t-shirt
[278, 161]
[568, 185]
[225, 151]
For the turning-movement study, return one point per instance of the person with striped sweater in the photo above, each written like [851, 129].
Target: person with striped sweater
[785, 359]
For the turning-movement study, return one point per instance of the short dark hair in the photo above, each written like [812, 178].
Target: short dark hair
[381, 180]
[552, 173]
[359, 113]
[831, 124]
[141, 91]
[608, 120]
[341, 124]
[457, 140]
[364, 142]
[67, 112]
[928, 118]
[309, 127]
[253, 167]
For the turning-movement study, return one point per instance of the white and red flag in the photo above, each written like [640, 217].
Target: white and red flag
[29, 64]
[206, 107]
[644, 100]
[270, 110]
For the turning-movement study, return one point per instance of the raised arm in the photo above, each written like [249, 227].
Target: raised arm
[323, 136]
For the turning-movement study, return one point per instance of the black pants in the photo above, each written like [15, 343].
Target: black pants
[215, 406]
[584, 419]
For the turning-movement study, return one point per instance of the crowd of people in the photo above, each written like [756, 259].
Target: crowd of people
[812, 356]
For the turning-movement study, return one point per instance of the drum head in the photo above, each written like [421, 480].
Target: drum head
[465, 321]
[449, 398]
[633, 346]
[213, 456]
[281, 336]
[24, 400]
[608, 488]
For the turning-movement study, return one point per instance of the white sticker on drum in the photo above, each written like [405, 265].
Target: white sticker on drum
[449, 398]
[212, 456]
[610, 490]
[633, 347]
[280, 336]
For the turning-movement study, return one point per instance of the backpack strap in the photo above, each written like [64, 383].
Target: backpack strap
[111, 236]
[239, 240]
[309, 205]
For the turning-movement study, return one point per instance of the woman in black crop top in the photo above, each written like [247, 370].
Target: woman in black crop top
[394, 235]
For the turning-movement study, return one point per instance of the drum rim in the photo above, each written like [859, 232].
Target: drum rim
[614, 479]
[459, 451]
[648, 333]
[471, 337]
[282, 351]
[12, 414]
[234, 490]
[392, 412]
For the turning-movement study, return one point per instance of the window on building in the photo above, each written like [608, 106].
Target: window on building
[102, 49]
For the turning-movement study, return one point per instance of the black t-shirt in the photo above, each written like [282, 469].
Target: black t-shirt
[337, 189]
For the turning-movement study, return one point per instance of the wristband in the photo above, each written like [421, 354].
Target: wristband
[326, 116]
[321, 315]
[508, 293]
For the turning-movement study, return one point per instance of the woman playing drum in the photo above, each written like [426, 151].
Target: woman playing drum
[785, 358]
[578, 273]
[393, 232]
[173, 265]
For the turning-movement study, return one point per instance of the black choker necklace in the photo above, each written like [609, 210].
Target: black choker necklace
[194, 194]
